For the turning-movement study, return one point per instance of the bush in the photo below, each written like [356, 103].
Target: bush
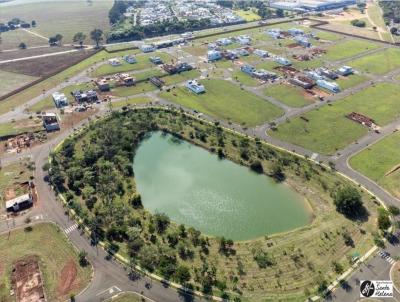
[262, 259]
[358, 23]
[257, 167]
[348, 201]
[82, 258]
[383, 219]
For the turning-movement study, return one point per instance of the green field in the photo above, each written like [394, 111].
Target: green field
[348, 49]
[227, 101]
[54, 251]
[10, 81]
[11, 39]
[132, 101]
[249, 15]
[143, 62]
[380, 161]
[327, 128]
[378, 63]
[63, 17]
[245, 79]
[350, 81]
[314, 63]
[290, 95]
[142, 87]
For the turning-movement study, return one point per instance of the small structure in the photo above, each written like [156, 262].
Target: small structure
[50, 122]
[302, 81]
[214, 55]
[19, 203]
[230, 55]
[295, 32]
[264, 75]
[362, 119]
[302, 41]
[243, 40]
[242, 52]
[194, 86]
[156, 60]
[275, 33]
[156, 81]
[103, 85]
[328, 73]
[126, 79]
[211, 46]
[88, 96]
[224, 41]
[330, 86]
[130, 59]
[114, 62]
[314, 75]
[177, 68]
[60, 100]
[345, 70]
[249, 69]
[261, 53]
[283, 61]
[147, 48]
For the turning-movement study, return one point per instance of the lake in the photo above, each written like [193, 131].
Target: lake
[218, 197]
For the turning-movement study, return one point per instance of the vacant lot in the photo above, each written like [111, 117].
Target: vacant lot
[348, 49]
[327, 129]
[290, 95]
[55, 253]
[142, 87]
[227, 101]
[245, 79]
[10, 81]
[381, 163]
[63, 17]
[378, 63]
[11, 39]
[132, 101]
[248, 15]
[20, 126]
[350, 81]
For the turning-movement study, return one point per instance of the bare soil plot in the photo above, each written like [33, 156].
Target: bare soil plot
[10, 81]
[30, 52]
[27, 280]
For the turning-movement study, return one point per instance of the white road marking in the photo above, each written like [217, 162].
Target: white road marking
[314, 156]
[110, 290]
[386, 257]
[71, 228]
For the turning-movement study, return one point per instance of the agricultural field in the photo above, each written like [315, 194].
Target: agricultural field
[12, 39]
[58, 261]
[381, 163]
[378, 63]
[227, 101]
[66, 18]
[10, 81]
[290, 95]
[327, 129]
[349, 48]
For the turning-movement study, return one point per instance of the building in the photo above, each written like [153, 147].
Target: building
[126, 79]
[50, 122]
[60, 100]
[264, 75]
[275, 33]
[330, 86]
[114, 62]
[88, 96]
[302, 81]
[295, 32]
[261, 53]
[242, 52]
[249, 69]
[214, 55]
[130, 59]
[177, 68]
[243, 40]
[328, 73]
[312, 5]
[156, 60]
[212, 46]
[283, 61]
[230, 55]
[103, 85]
[345, 70]
[156, 81]
[19, 203]
[314, 75]
[194, 86]
[302, 41]
[147, 48]
[224, 41]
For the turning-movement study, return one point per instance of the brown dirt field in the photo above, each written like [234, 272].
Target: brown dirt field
[27, 281]
[31, 52]
[41, 67]
[67, 278]
[308, 96]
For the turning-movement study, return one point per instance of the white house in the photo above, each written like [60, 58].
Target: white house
[114, 62]
[214, 55]
[60, 100]
[19, 203]
[147, 48]
[194, 86]
[130, 59]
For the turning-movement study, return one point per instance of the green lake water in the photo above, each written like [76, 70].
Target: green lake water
[217, 197]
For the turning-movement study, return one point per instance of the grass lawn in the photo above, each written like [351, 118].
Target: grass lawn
[46, 103]
[148, 74]
[314, 63]
[54, 251]
[350, 81]
[378, 63]
[267, 65]
[132, 101]
[132, 90]
[11, 39]
[20, 126]
[348, 49]
[378, 160]
[10, 81]
[248, 15]
[66, 18]
[245, 79]
[290, 95]
[181, 77]
[328, 129]
[143, 62]
[196, 50]
[325, 35]
[227, 101]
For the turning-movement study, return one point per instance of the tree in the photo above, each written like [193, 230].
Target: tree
[162, 222]
[33, 23]
[182, 274]
[79, 38]
[97, 36]
[59, 38]
[393, 30]
[82, 258]
[358, 23]
[277, 172]
[52, 41]
[348, 201]
[383, 219]
[22, 45]
[280, 13]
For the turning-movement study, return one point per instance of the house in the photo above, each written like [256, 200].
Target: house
[214, 55]
[283, 61]
[248, 69]
[126, 79]
[330, 86]
[177, 68]
[50, 122]
[295, 32]
[194, 86]
[242, 52]
[303, 41]
[264, 75]
[243, 40]
[275, 33]
[230, 54]
[114, 62]
[314, 75]
[212, 46]
[19, 203]
[224, 41]
[147, 48]
[328, 73]
[60, 100]
[302, 81]
[261, 53]
[103, 85]
[345, 70]
[156, 60]
[130, 59]
[156, 81]
[88, 96]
